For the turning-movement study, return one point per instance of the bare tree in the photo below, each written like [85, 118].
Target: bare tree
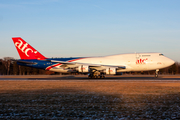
[15, 68]
[7, 62]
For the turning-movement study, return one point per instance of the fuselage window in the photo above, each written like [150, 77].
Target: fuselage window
[146, 55]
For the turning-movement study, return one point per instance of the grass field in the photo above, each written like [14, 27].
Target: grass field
[74, 99]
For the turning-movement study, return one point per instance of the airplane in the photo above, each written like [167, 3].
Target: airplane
[95, 67]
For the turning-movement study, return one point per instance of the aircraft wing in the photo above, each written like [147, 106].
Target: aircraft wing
[88, 64]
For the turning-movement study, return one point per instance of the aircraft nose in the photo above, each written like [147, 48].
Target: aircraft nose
[170, 62]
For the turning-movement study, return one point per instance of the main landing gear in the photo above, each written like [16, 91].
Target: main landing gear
[96, 74]
[94, 77]
[156, 73]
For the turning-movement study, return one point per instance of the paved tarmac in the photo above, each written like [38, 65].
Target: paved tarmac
[85, 77]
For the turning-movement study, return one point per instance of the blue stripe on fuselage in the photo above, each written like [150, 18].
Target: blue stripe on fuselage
[40, 64]
[43, 64]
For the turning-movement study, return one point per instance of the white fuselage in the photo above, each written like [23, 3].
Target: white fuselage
[133, 62]
[107, 64]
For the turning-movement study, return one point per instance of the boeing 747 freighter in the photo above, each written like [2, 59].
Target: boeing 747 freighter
[96, 67]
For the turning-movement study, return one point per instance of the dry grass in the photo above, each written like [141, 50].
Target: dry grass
[104, 87]
[89, 99]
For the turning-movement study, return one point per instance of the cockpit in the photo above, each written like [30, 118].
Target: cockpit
[161, 55]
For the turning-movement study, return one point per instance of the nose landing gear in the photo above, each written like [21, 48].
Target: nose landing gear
[156, 73]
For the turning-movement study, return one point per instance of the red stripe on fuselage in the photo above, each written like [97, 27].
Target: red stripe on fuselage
[75, 60]
[48, 68]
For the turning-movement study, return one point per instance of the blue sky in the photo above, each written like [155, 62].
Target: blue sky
[75, 28]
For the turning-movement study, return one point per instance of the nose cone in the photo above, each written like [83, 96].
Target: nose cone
[169, 62]
[172, 62]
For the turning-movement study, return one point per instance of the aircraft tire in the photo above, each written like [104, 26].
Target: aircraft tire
[156, 75]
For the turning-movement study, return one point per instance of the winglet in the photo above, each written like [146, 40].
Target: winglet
[25, 50]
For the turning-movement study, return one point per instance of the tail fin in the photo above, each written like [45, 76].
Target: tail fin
[25, 50]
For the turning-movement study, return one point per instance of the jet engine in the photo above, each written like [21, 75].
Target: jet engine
[111, 71]
[83, 68]
[62, 70]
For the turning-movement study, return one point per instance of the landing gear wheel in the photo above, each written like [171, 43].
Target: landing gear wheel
[95, 75]
[103, 77]
[156, 75]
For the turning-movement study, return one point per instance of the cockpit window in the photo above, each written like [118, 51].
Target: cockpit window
[161, 55]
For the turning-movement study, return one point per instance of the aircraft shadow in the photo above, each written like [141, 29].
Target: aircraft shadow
[82, 104]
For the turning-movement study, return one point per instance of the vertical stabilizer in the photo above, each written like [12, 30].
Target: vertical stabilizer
[25, 50]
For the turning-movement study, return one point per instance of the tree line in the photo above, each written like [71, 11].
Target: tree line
[10, 67]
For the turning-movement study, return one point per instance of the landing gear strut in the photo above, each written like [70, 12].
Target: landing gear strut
[156, 73]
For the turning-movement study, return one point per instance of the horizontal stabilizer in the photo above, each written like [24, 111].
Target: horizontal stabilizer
[25, 62]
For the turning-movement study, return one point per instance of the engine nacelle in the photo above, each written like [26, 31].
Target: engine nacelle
[61, 70]
[83, 68]
[110, 71]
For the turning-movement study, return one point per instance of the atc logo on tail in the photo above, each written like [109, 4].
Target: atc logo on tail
[25, 50]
